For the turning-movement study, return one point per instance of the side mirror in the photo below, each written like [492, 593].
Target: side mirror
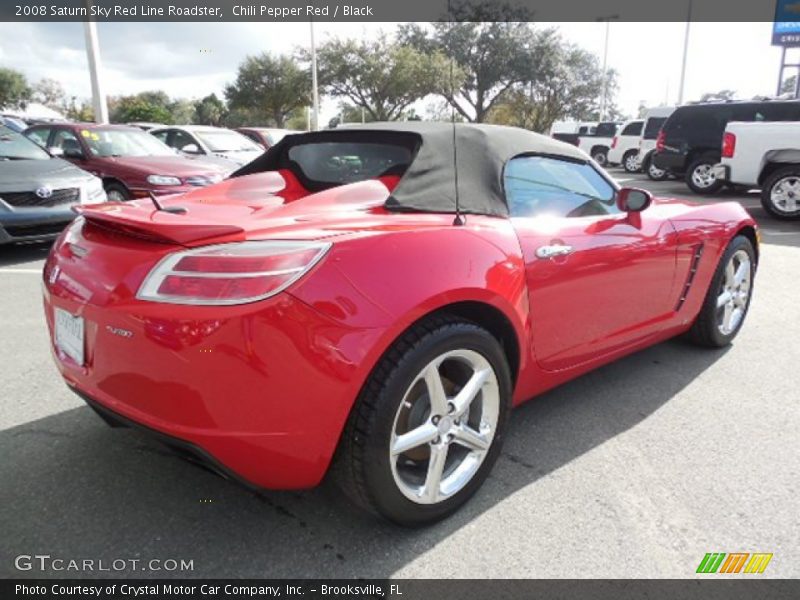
[633, 199]
[55, 151]
[191, 149]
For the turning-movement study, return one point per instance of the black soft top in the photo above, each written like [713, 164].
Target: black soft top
[428, 184]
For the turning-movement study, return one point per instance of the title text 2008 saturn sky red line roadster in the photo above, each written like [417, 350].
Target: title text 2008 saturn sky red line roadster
[330, 308]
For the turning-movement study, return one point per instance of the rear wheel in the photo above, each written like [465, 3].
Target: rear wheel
[429, 423]
[600, 155]
[700, 177]
[780, 195]
[728, 296]
[630, 161]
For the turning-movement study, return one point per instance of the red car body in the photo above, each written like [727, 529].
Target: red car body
[130, 171]
[265, 388]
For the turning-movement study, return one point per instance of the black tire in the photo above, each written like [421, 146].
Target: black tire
[362, 466]
[770, 183]
[117, 192]
[600, 156]
[653, 172]
[705, 330]
[692, 175]
[629, 162]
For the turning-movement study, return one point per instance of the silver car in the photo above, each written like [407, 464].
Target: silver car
[38, 191]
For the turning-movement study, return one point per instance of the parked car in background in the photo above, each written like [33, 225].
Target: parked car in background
[278, 345]
[264, 136]
[146, 126]
[767, 156]
[205, 140]
[689, 144]
[654, 120]
[570, 131]
[13, 123]
[131, 162]
[38, 191]
[597, 144]
[624, 148]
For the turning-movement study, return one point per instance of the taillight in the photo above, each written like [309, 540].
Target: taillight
[728, 145]
[230, 273]
[614, 142]
[660, 140]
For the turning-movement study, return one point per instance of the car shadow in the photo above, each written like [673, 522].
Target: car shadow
[16, 254]
[75, 488]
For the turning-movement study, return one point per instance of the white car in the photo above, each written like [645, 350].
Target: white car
[625, 146]
[653, 120]
[764, 154]
[204, 140]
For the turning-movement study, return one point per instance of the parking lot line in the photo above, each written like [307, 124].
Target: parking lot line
[27, 271]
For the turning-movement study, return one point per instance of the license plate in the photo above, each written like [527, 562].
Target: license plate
[69, 335]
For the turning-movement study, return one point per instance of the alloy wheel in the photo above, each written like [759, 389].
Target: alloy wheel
[785, 195]
[703, 176]
[115, 196]
[630, 163]
[444, 426]
[734, 293]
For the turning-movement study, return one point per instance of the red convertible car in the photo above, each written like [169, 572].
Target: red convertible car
[372, 302]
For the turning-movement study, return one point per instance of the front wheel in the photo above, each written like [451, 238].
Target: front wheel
[780, 195]
[728, 296]
[653, 172]
[429, 423]
[116, 192]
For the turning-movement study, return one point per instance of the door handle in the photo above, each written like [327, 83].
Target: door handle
[554, 250]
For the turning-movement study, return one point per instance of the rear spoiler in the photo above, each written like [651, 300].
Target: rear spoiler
[158, 226]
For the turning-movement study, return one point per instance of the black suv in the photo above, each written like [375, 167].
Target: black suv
[689, 143]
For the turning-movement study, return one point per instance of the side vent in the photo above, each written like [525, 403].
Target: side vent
[698, 252]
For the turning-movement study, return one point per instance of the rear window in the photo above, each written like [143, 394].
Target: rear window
[333, 163]
[653, 126]
[633, 128]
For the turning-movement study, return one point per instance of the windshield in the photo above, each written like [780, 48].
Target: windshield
[14, 146]
[124, 142]
[227, 141]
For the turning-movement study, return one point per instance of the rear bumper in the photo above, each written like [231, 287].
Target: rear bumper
[669, 161]
[259, 392]
[721, 172]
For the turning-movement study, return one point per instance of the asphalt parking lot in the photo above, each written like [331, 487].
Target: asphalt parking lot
[635, 470]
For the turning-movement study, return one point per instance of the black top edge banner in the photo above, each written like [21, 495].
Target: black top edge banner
[710, 588]
[388, 10]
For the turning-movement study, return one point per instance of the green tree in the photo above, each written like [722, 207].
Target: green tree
[269, 88]
[14, 89]
[209, 111]
[788, 85]
[381, 76]
[494, 49]
[182, 111]
[147, 106]
[568, 85]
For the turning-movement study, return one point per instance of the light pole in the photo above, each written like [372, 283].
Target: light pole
[93, 53]
[685, 51]
[314, 89]
[604, 93]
